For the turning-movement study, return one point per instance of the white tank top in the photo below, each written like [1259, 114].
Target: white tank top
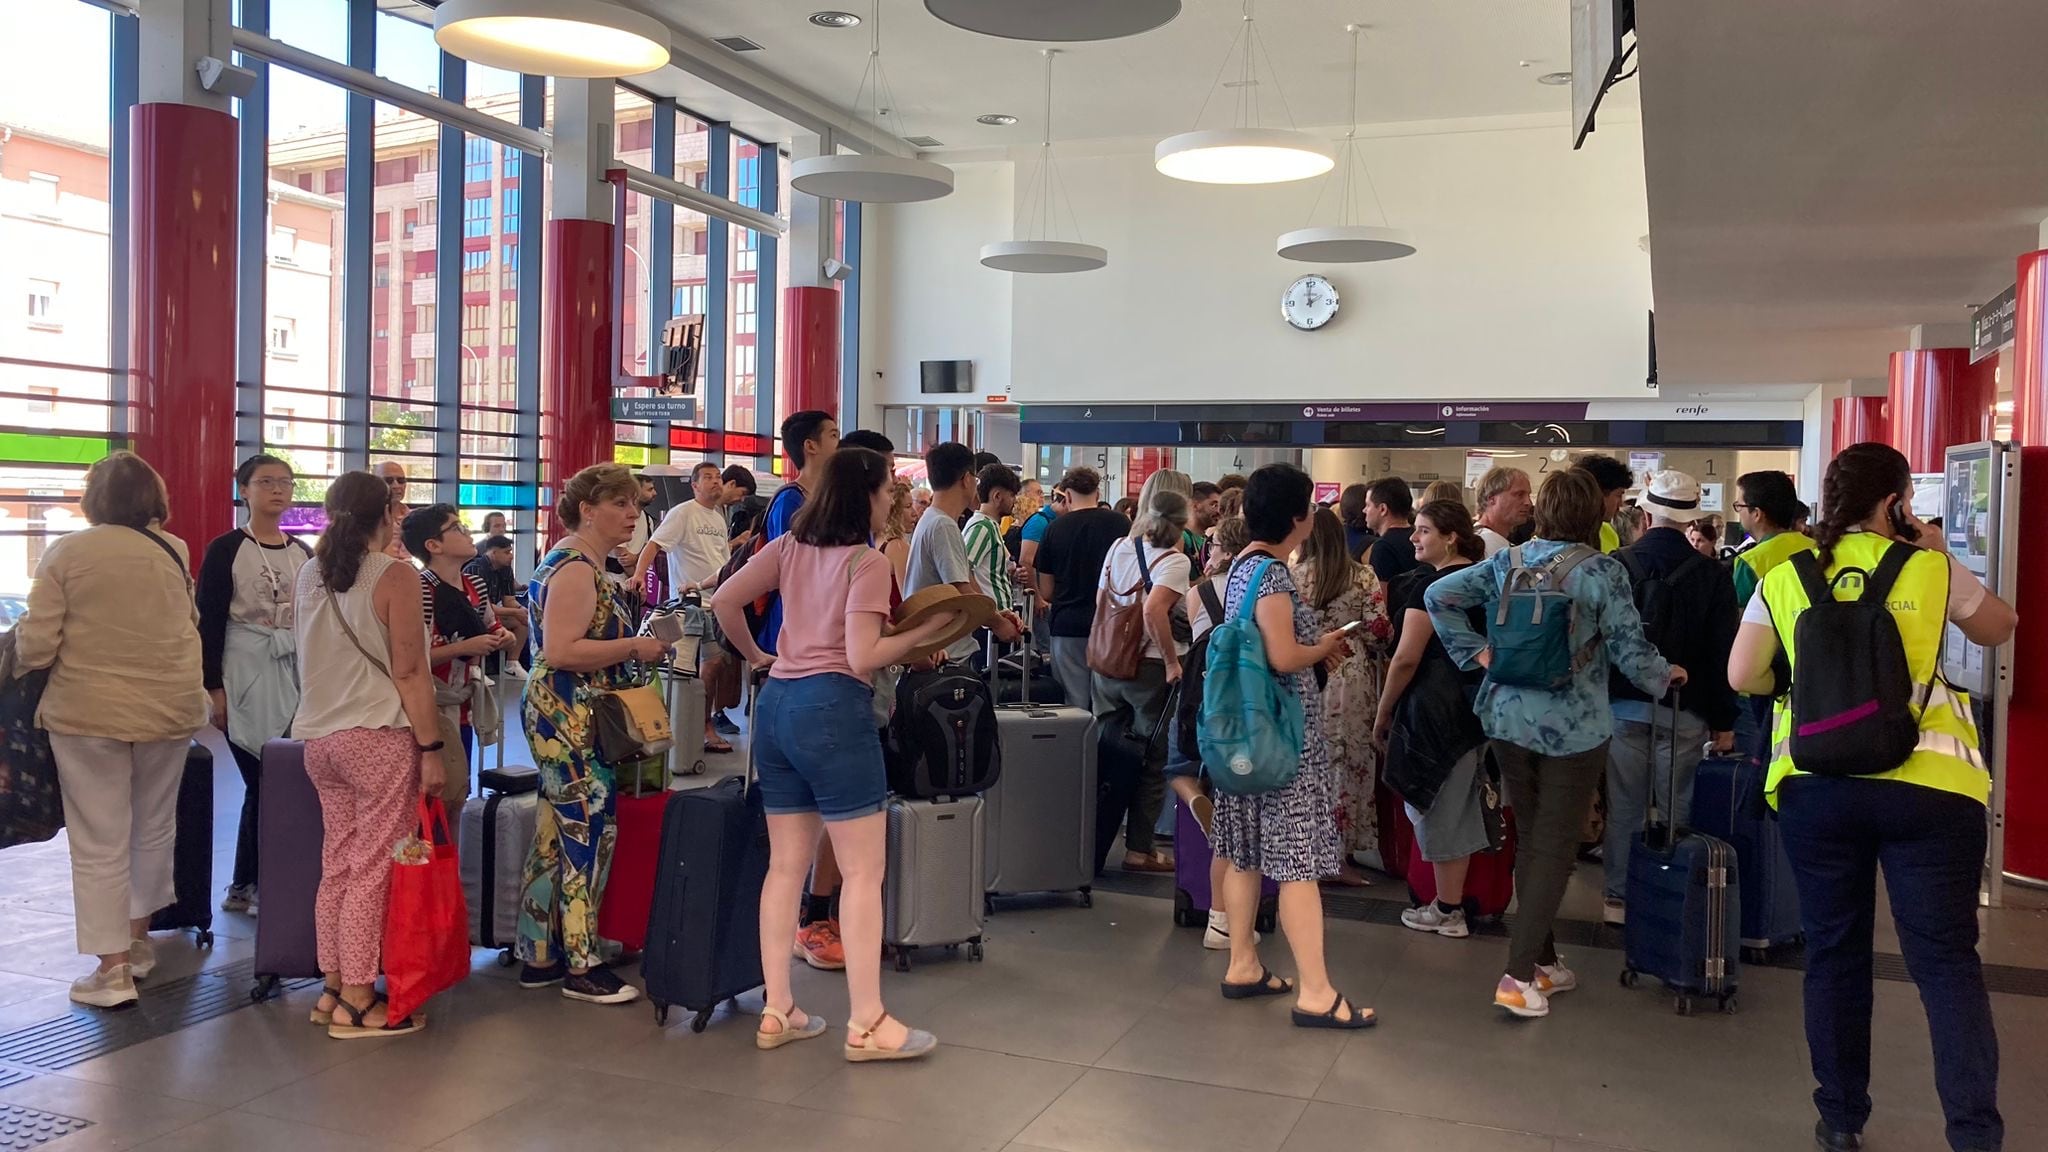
[339, 688]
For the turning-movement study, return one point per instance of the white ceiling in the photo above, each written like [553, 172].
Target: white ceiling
[1424, 60]
[1823, 176]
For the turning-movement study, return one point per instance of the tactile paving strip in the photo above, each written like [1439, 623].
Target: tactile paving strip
[9, 1077]
[26, 1127]
[86, 1034]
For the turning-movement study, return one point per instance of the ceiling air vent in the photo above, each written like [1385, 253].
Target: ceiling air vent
[736, 44]
[924, 142]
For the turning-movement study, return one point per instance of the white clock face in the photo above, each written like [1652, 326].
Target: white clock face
[1309, 303]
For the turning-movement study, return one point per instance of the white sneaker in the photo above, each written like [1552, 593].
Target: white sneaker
[1430, 918]
[1524, 1000]
[240, 898]
[141, 958]
[1613, 912]
[113, 988]
[1554, 978]
[1216, 938]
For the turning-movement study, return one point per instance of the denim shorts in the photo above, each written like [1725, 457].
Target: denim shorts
[1180, 761]
[816, 749]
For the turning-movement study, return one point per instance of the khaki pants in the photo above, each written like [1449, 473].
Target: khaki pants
[121, 813]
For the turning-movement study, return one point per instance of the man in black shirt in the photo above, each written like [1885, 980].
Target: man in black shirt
[1390, 513]
[1069, 570]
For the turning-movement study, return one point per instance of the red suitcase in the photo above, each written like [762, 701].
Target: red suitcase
[636, 855]
[1397, 835]
[1489, 883]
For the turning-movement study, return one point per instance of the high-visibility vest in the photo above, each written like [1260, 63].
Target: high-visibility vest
[1768, 553]
[1947, 755]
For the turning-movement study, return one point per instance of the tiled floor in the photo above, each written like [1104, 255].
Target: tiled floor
[1083, 1031]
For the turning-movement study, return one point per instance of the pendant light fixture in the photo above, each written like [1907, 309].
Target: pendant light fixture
[1248, 152]
[1348, 242]
[1057, 20]
[875, 178]
[575, 38]
[1040, 250]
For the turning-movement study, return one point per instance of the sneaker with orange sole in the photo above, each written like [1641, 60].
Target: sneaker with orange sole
[1524, 1000]
[817, 944]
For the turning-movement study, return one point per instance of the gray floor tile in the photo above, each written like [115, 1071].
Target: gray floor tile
[1335, 1128]
[613, 1112]
[1118, 1112]
[994, 1094]
[1044, 1017]
[224, 1061]
[1469, 1082]
[121, 1117]
[1196, 1035]
[804, 1130]
[15, 988]
[233, 1131]
[723, 1059]
[444, 1088]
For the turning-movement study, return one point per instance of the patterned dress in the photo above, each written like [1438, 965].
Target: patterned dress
[1289, 834]
[1351, 699]
[572, 845]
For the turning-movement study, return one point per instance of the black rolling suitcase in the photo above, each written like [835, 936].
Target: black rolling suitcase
[704, 929]
[191, 909]
[1120, 754]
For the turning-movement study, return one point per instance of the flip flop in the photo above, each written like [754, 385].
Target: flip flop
[1365, 1018]
[316, 1016]
[357, 1030]
[1263, 986]
[717, 747]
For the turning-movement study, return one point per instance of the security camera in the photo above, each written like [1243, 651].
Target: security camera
[230, 80]
[838, 270]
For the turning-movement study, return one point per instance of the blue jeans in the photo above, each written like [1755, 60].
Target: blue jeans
[817, 749]
[1838, 830]
[1753, 721]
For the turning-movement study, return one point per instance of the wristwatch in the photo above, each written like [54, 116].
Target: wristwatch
[436, 746]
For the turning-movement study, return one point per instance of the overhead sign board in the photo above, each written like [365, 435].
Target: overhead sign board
[674, 409]
[1991, 327]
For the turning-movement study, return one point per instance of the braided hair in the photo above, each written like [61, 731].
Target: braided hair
[1858, 480]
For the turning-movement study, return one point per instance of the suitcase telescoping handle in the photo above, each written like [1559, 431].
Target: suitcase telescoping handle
[1657, 832]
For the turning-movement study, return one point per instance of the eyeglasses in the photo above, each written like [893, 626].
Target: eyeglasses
[457, 526]
[1739, 506]
[272, 484]
[394, 481]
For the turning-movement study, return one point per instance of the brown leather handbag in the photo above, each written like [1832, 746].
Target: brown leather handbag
[1116, 640]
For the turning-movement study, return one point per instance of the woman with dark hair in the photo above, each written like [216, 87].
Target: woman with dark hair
[583, 630]
[110, 615]
[1358, 534]
[1426, 722]
[1290, 833]
[373, 747]
[245, 635]
[1550, 743]
[816, 751]
[1920, 816]
[1341, 590]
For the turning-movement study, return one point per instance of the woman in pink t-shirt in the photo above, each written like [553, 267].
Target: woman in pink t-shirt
[818, 756]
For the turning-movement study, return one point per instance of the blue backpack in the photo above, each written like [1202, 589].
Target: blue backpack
[1252, 724]
[1531, 630]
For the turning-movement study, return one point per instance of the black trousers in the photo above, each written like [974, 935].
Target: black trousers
[245, 837]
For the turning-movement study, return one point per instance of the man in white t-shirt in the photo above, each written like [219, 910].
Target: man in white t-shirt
[693, 534]
[1505, 505]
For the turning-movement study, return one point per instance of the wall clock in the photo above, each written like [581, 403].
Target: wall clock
[1309, 303]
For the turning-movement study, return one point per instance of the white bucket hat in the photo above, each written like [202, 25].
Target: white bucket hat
[1673, 495]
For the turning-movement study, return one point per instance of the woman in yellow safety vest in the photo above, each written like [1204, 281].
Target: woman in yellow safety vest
[1923, 820]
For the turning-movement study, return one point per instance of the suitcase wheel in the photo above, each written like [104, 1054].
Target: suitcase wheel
[1088, 898]
[696, 768]
[203, 938]
[660, 1014]
[505, 958]
[1628, 977]
[903, 959]
[1682, 1004]
[702, 1018]
[974, 952]
[266, 987]
[1729, 1005]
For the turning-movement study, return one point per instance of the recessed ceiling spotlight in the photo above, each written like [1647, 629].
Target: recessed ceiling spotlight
[835, 19]
[996, 119]
[1555, 79]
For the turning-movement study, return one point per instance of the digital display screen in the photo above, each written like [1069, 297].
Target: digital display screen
[1966, 518]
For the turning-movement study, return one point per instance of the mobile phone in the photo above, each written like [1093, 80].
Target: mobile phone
[1902, 524]
[1354, 626]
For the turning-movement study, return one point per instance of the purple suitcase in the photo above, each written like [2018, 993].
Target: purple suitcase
[288, 839]
[1191, 858]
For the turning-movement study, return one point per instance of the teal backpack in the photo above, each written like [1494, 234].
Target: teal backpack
[1252, 722]
[1531, 631]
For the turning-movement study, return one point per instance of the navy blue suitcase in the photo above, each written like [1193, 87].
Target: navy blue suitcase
[704, 929]
[191, 908]
[1728, 802]
[1684, 909]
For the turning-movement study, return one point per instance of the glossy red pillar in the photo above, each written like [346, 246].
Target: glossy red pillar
[2026, 771]
[181, 310]
[2030, 352]
[1857, 419]
[1938, 399]
[577, 365]
[810, 351]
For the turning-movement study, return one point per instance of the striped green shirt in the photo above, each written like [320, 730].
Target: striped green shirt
[990, 561]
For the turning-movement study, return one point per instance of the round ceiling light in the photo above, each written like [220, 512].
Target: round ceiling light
[1043, 256]
[835, 19]
[1062, 21]
[1345, 244]
[574, 38]
[1242, 156]
[1555, 79]
[876, 179]
[996, 119]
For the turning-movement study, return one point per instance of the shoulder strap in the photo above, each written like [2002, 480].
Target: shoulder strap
[1633, 563]
[1144, 568]
[171, 552]
[1251, 589]
[341, 617]
[1806, 566]
[1879, 586]
[1210, 604]
[1562, 564]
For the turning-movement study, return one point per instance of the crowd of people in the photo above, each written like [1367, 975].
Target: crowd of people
[377, 645]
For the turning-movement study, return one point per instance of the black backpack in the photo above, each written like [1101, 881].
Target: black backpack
[1657, 600]
[1188, 716]
[1852, 693]
[943, 735]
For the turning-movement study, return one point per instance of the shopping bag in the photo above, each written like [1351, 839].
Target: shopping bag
[31, 803]
[426, 922]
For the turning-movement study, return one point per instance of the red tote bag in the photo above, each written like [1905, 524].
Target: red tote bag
[426, 922]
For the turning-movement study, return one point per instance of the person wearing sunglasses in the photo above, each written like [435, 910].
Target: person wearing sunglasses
[393, 475]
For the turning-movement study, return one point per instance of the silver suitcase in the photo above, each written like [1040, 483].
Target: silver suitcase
[1040, 813]
[932, 890]
[686, 720]
[493, 839]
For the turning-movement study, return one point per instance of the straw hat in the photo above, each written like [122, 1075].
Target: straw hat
[970, 610]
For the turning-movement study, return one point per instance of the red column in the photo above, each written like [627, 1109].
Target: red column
[1938, 399]
[1857, 419]
[810, 351]
[2030, 352]
[576, 370]
[181, 309]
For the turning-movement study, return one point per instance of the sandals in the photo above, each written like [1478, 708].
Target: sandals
[357, 1030]
[1264, 986]
[1360, 1018]
[918, 1043]
[323, 1019]
[768, 1041]
[717, 747]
